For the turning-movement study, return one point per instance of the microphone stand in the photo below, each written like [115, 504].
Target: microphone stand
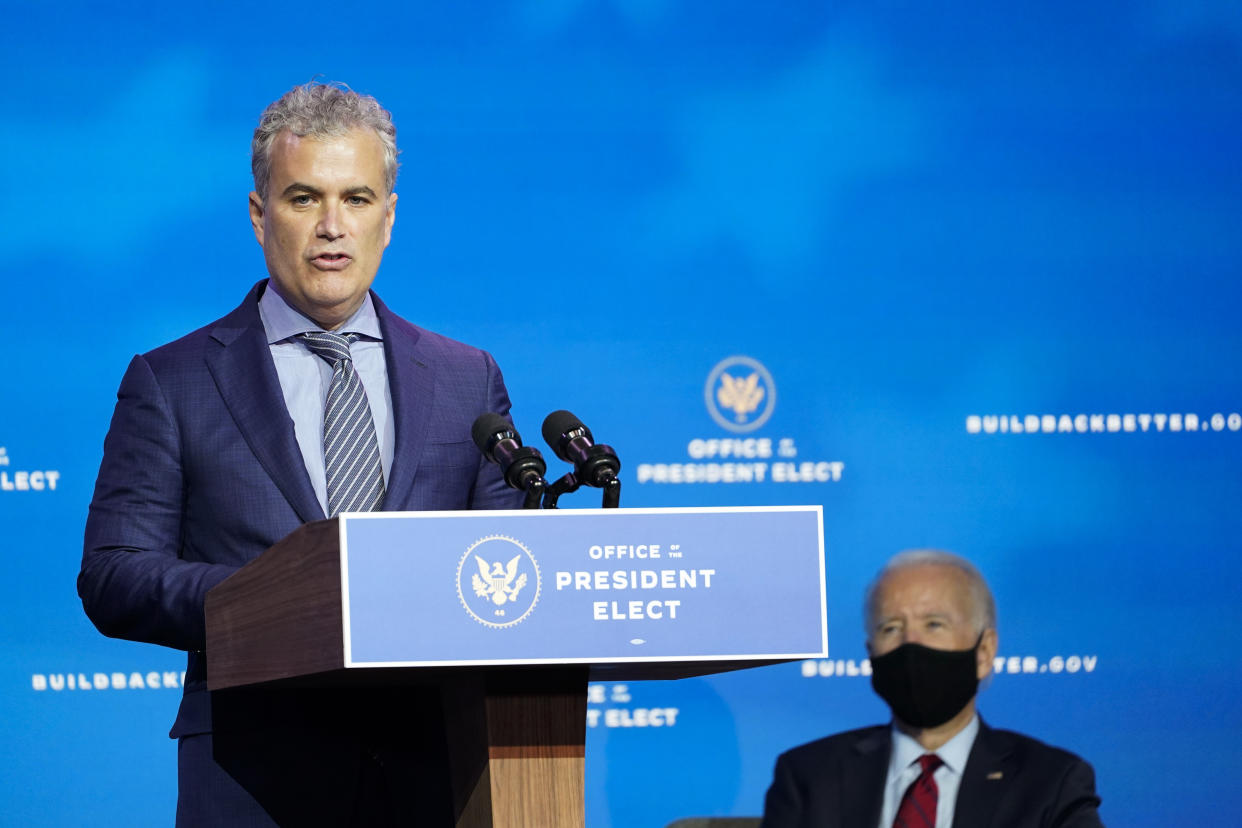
[611, 485]
[553, 493]
[533, 492]
[612, 493]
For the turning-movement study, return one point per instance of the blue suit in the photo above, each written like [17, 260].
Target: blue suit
[1010, 781]
[201, 473]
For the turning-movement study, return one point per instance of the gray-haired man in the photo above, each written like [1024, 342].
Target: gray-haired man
[931, 633]
[228, 439]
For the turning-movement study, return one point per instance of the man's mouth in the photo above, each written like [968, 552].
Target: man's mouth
[331, 261]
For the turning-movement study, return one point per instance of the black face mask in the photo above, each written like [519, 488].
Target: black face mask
[926, 687]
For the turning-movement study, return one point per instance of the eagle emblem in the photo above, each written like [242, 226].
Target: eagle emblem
[499, 582]
[497, 595]
[741, 395]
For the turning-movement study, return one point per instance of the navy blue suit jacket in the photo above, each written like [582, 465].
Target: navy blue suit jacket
[202, 472]
[1010, 781]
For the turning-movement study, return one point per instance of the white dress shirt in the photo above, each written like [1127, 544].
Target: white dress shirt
[903, 769]
[305, 379]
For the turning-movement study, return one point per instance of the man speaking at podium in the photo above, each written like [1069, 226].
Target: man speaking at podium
[310, 399]
[931, 634]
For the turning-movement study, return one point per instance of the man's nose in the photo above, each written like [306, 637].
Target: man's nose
[909, 636]
[329, 226]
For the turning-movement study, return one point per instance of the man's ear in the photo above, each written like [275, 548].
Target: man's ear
[989, 642]
[390, 218]
[256, 216]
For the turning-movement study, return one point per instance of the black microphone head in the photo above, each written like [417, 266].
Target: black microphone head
[488, 426]
[559, 423]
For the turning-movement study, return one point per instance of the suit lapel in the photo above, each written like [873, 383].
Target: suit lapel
[866, 772]
[985, 780]
[241, 365]
[411, 381]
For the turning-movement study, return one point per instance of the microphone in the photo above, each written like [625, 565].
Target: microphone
[522, 466]
[571, 441]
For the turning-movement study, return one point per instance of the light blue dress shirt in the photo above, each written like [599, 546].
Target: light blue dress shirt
[903, 769]
[305, 379]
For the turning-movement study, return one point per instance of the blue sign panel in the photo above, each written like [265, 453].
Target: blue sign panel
[584, 585]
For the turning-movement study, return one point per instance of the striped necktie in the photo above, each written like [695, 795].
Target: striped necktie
[918, 805]
[350, 448]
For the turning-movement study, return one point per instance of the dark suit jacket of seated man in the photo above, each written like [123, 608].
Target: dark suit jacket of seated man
[209, 461]
[931, 634]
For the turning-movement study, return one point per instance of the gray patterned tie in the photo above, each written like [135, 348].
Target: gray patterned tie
[350, 449]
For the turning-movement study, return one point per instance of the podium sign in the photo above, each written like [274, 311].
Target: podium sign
[507, 613]
[582, 586]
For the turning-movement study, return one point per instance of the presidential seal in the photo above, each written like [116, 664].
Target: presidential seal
[740, 394]
[498, 581]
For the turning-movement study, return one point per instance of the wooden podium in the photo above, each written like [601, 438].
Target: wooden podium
[513, 726]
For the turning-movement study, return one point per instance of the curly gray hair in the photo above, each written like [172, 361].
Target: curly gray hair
[321, 110]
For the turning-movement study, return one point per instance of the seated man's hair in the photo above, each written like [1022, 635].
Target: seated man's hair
[982, 603]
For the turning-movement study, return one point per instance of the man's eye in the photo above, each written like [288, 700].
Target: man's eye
[357, 201]
[301, 200]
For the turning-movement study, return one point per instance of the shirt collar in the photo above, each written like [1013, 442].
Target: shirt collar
[953, 753]
[281, 321]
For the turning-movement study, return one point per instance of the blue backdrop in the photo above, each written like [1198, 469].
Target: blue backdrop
[981, 260]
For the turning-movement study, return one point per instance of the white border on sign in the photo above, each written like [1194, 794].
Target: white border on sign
[542, 514]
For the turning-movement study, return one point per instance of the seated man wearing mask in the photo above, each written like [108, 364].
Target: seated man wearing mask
[931, 634]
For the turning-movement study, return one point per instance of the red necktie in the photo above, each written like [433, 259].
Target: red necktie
[918, 805]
